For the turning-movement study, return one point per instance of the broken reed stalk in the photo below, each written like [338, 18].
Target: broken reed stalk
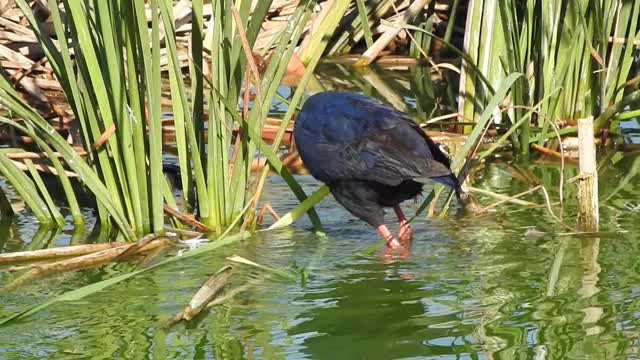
[587, 180]
[267, 208]
[77, 263]
[186, 218]
[546, 151]
[205, 295]
[588, 220]
[65, 251]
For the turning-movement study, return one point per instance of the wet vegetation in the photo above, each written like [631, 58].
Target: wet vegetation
[137, 131]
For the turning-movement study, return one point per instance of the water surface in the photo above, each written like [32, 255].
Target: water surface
[513, 284]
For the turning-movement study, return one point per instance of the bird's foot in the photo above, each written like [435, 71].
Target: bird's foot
[393, 246]
[394, 250]
[393, 243]
[404, 229]
[404, 233]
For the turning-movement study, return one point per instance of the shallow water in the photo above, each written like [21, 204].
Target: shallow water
[509, 285]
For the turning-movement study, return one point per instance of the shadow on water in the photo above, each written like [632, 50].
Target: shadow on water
[510, 285]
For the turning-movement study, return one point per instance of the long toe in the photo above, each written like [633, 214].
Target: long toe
[405, 234]
[393, 243]
[391, 254]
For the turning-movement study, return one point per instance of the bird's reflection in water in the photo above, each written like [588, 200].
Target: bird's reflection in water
[368, 315]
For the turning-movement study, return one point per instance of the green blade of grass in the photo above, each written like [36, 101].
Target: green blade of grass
[302, 208]
[98, 87]
[478, 129]
[187, 137]
[26, 189]
[153, 80]
[364, 20]
[283, 274]
[44, 193]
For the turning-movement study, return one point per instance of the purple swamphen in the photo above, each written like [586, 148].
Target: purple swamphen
[370, 155]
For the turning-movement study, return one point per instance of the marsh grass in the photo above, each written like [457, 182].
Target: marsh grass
[576, 56]
[562, 60]
[108, 64]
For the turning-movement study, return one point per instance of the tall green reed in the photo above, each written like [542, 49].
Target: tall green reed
[580, 51]
[111, 75]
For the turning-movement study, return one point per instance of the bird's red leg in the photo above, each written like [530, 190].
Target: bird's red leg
[404, 229]
[392, 242]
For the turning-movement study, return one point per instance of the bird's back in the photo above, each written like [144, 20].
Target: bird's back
[344, 135]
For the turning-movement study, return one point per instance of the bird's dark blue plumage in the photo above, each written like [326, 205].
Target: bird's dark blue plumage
[369, 154]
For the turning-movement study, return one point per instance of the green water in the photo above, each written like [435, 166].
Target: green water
[510, 285]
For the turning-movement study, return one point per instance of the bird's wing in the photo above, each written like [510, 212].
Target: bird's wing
[392, 155]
